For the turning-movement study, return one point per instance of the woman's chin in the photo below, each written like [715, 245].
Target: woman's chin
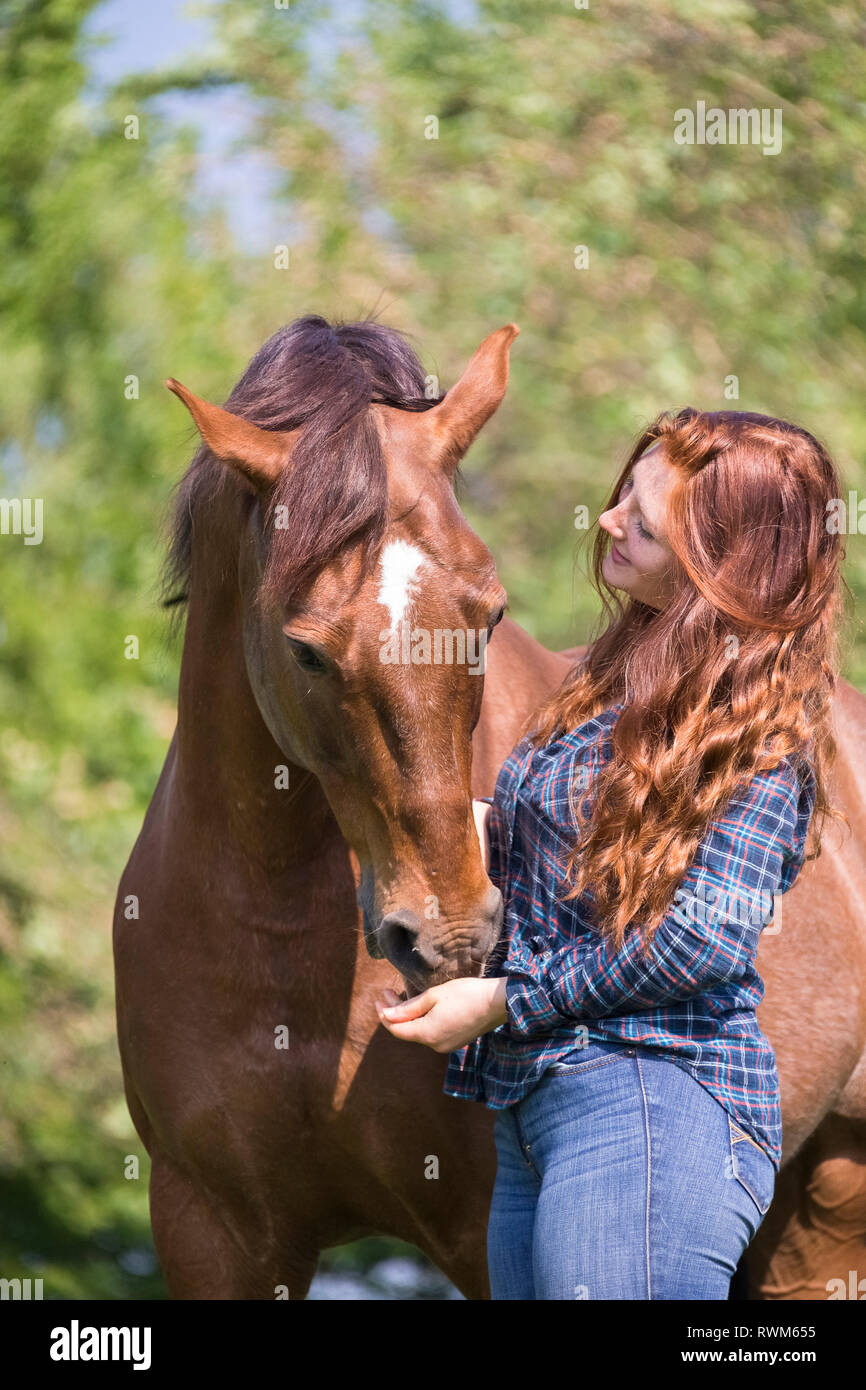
[610, 570]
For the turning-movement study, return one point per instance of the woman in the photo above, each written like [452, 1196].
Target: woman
[640, 833]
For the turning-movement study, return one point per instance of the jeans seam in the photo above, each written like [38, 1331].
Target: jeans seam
[743, 1135]
[740, 1178]
[523, 1146]
[648, 1177]
[581, 1067]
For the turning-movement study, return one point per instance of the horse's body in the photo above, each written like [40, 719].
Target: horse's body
[280, 1118]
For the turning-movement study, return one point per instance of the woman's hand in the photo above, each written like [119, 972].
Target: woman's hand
[445, 1017]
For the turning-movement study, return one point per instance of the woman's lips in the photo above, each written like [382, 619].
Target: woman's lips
[618, 556]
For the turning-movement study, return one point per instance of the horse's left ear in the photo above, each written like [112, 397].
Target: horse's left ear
[452, 425]
[261, 455]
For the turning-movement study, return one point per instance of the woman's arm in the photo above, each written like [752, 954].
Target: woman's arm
[706, 939]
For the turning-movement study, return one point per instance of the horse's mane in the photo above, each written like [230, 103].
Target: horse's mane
[323, 377]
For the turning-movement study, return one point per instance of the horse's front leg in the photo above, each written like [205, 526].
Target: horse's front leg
[204, 1256]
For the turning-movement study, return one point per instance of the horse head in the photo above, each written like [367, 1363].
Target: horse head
[368, 602]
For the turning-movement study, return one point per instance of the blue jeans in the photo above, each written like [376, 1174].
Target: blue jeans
[620, 1176]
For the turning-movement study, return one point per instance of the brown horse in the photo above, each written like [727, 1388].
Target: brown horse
[311, 841]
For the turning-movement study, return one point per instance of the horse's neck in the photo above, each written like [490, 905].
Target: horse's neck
[229, 774]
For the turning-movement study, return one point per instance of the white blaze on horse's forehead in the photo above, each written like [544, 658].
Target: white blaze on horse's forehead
[399, 566]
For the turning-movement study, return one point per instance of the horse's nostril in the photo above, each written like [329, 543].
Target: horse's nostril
[398, 937]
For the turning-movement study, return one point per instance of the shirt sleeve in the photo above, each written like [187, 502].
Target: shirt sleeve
[795, 858]
[707, 938]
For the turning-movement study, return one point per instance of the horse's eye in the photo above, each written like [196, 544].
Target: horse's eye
[307, 657]
[497, 618]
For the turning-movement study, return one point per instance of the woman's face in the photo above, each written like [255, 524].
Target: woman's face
[640, 559]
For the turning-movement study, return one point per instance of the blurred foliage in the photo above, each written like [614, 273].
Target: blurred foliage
[555, 131]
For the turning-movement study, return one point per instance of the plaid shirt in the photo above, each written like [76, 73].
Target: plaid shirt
[693, 999]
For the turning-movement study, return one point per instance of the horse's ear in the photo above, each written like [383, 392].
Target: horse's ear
[453, 424]
[259, 454]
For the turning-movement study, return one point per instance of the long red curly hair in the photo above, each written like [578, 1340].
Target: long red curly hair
[736, 671]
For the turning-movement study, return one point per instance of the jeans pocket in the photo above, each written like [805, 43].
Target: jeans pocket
[582, 1060]
[752, 1167]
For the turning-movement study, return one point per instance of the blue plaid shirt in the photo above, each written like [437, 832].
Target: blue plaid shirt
[693, 999]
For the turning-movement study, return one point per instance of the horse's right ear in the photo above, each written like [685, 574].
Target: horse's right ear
[455, 421]
[261, 455]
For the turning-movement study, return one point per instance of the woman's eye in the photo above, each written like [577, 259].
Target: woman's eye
[307, 657]
[641, 529]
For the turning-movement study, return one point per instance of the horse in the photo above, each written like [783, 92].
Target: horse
[311, 841]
